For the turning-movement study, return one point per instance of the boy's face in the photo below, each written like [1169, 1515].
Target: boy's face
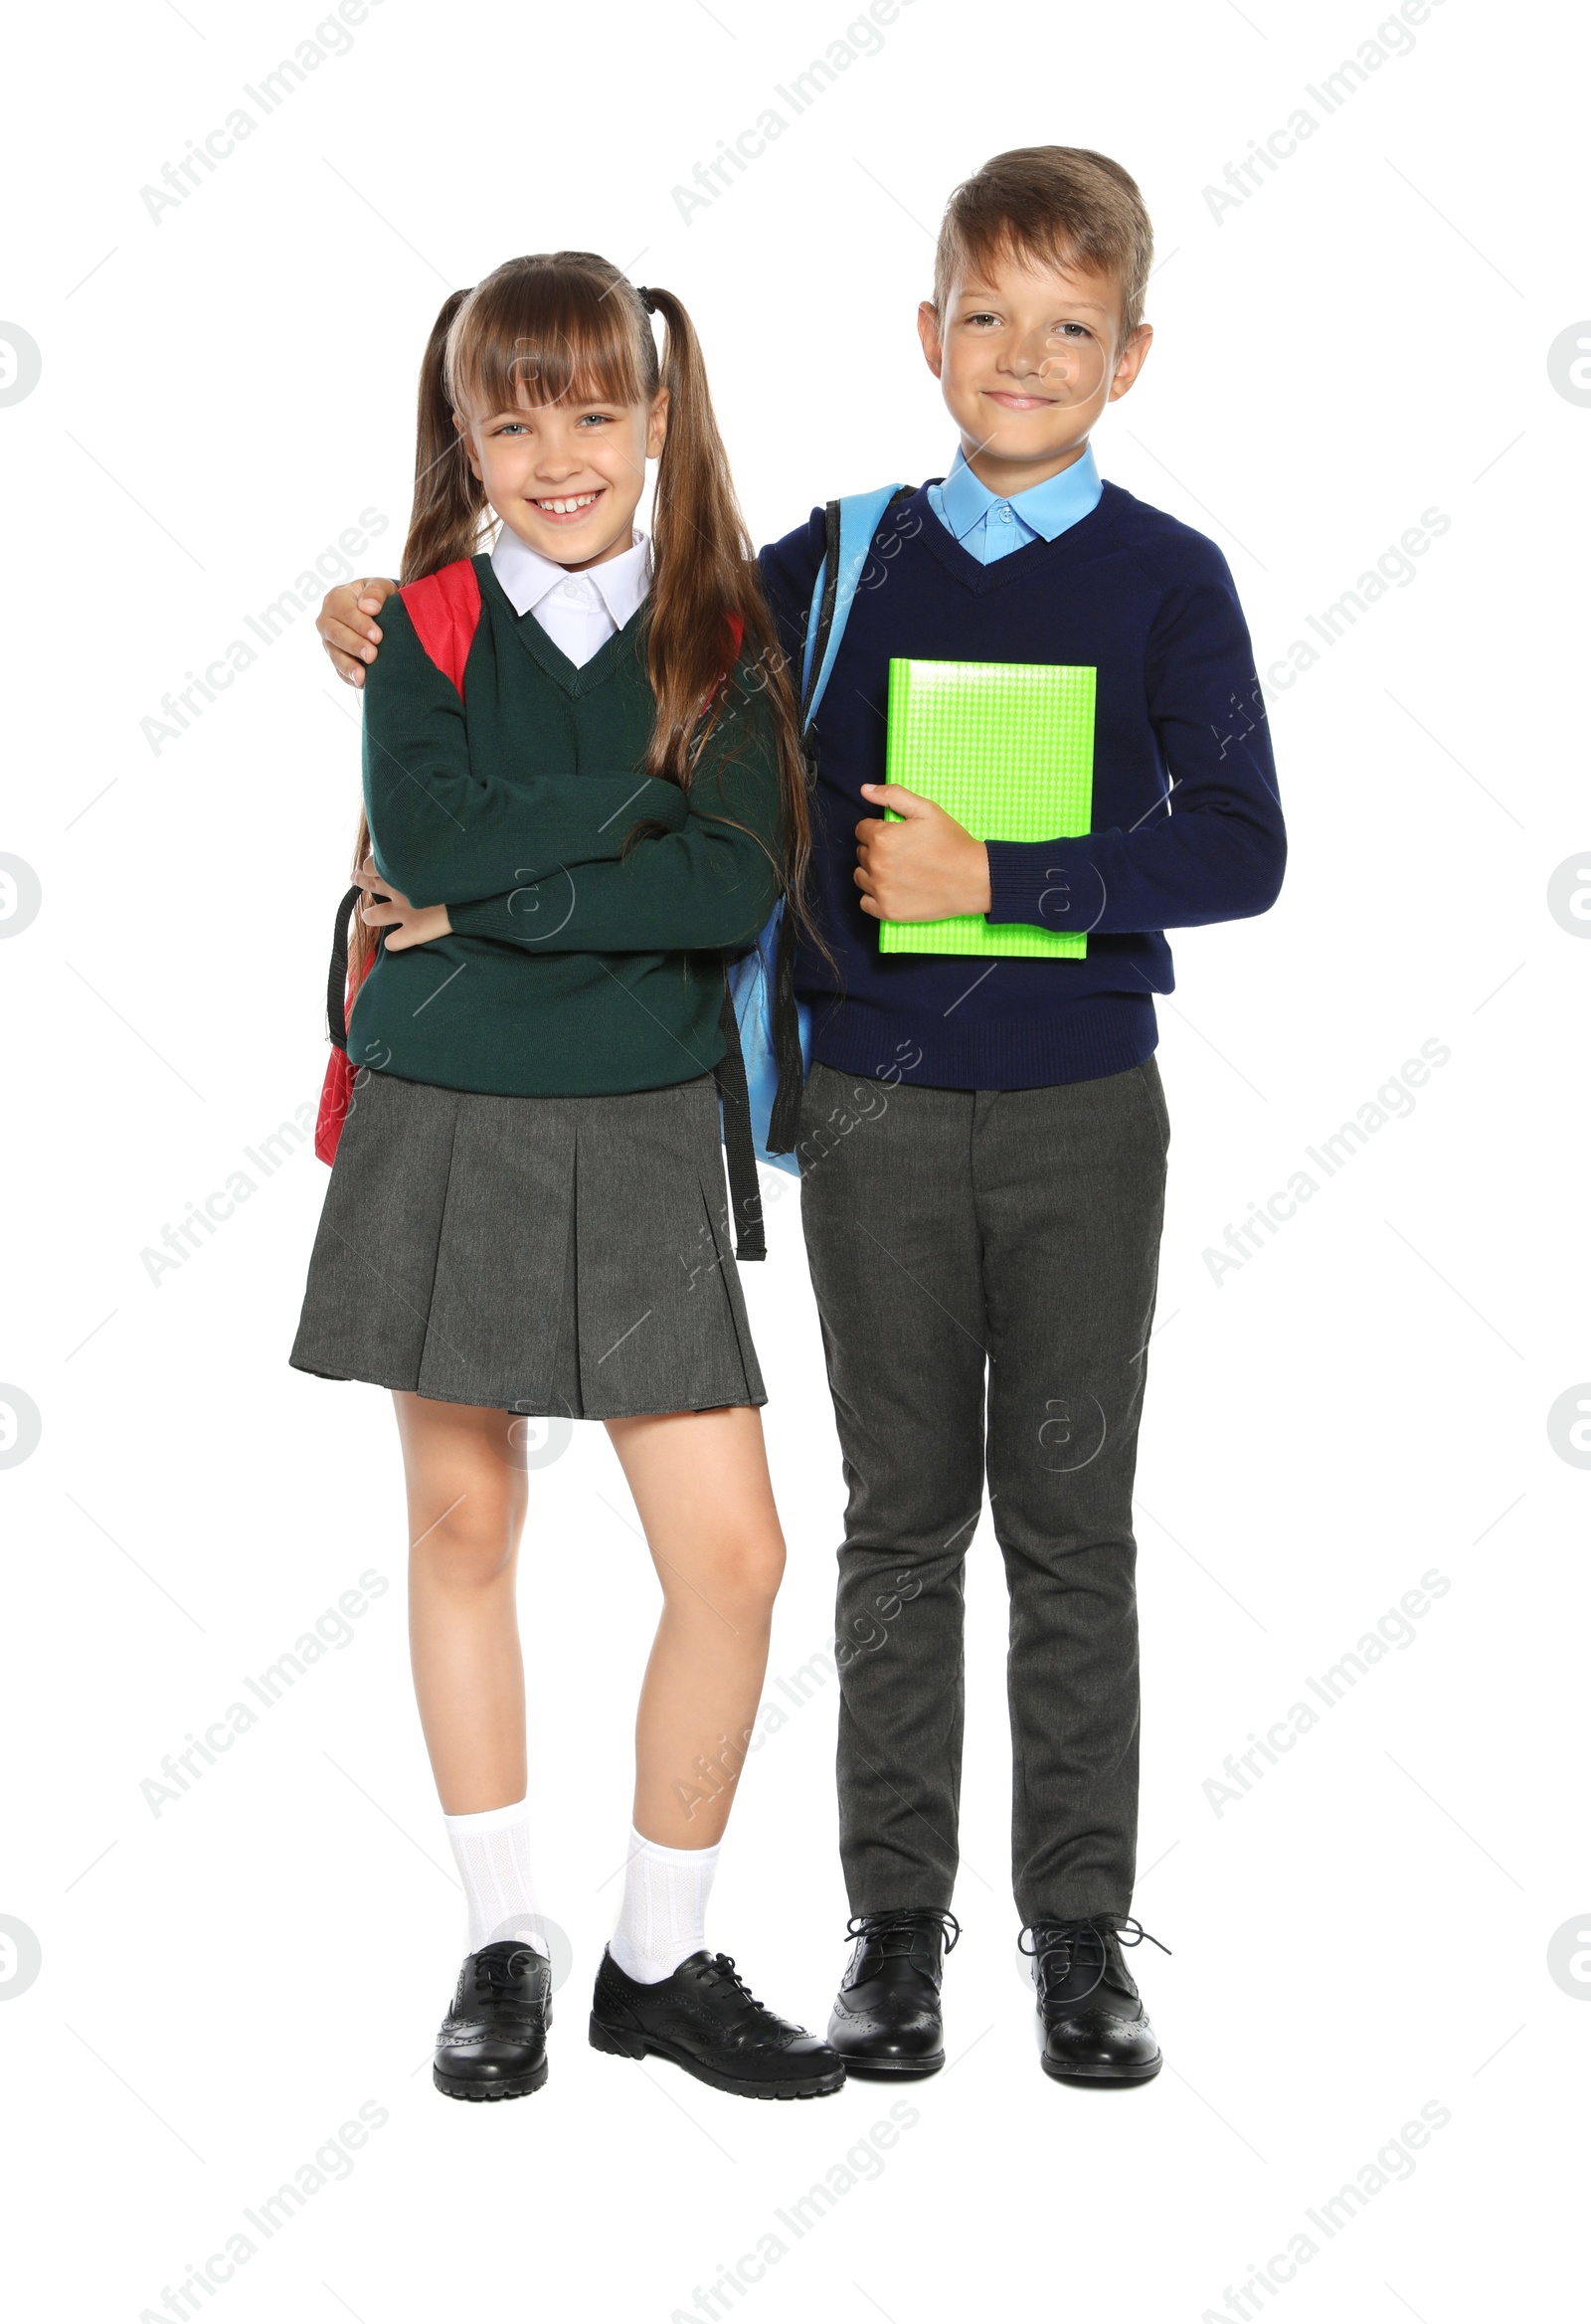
[1027, 357]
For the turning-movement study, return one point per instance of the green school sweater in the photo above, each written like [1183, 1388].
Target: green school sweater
[569, 971]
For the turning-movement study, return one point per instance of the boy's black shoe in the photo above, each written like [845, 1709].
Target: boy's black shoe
[704, 2018]
[886, 2023]
[493, 2041]
[1096, 2028]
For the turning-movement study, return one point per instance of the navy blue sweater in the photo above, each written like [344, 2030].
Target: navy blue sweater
[1187, 827]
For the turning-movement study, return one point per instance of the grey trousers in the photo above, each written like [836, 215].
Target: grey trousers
[985, 1263]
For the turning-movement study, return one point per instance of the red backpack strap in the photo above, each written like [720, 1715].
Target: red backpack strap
[342, 984]
[335, 1092]
[444, 608]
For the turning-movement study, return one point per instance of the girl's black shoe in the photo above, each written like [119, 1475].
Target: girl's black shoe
[704, 2018]
[493, 2041]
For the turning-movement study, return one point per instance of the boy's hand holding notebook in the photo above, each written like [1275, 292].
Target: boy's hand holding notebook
[1007, 749]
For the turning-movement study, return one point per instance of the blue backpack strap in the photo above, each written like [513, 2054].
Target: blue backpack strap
[848, 528]
[783, 1031]
[848, 532]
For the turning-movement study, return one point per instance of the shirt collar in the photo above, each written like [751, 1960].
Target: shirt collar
[1047, 508]
[527, 576]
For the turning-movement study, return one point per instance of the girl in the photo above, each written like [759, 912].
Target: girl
[581, 778]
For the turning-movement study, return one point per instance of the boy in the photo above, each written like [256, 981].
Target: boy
[983, 1145]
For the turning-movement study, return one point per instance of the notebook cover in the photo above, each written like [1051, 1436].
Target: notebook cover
[1008, 749]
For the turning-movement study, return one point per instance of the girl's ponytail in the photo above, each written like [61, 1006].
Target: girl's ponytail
[706, 588]
[448, 512]
[700, 549]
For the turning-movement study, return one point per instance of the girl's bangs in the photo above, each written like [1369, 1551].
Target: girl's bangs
[549, 335]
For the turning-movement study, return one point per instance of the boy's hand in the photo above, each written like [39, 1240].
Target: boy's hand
[385, 908]
[929, 867]
[349, 637]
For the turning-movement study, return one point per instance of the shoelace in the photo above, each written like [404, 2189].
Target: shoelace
[892, 1936]
[498, 1970]
[1056, 1942]
[721, 1970]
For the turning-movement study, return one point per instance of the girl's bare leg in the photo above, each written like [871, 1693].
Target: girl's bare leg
[467, 1509]
[701, 1488]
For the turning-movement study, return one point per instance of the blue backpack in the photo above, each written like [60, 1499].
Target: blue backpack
[770, 1031]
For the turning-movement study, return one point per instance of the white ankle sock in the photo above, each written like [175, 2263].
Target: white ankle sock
[492, 1852]
[665, 1903]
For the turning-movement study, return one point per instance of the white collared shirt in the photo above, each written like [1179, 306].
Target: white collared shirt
[580, 611]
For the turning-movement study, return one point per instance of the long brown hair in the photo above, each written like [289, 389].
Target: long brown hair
[569, 324]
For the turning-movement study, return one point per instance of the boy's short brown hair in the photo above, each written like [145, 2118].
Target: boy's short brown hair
[1058, 204]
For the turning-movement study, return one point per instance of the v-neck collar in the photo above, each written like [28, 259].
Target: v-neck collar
[981, 578]
[575, 679]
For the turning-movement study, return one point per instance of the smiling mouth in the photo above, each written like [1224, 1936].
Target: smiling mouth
[568, 504]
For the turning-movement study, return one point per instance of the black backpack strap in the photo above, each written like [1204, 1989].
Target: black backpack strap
[785, 1126]
[337, 978]
[744, 1188]
[785, 1122]
[827, 602]
[825, 606]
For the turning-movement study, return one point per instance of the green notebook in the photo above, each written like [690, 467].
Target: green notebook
[1008, 749]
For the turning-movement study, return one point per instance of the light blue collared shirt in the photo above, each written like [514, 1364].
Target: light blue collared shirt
[989, 528]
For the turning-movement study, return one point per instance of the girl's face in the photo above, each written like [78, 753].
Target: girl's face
[568, 477]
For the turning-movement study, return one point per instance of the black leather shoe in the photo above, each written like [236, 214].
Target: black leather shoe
[493, 2041]
[704, 2018]
[886, 2023]
[1096, 2028]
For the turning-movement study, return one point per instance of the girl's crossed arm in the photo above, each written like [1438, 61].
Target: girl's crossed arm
[443, 831]
[709, 883]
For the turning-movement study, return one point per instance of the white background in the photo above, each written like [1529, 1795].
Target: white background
[1365, 1930]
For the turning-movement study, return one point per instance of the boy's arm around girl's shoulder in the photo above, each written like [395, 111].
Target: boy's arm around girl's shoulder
[712, 882]
[1218, 852]
[444, 828]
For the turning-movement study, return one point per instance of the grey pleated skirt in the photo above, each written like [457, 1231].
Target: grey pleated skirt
[555, 1256]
